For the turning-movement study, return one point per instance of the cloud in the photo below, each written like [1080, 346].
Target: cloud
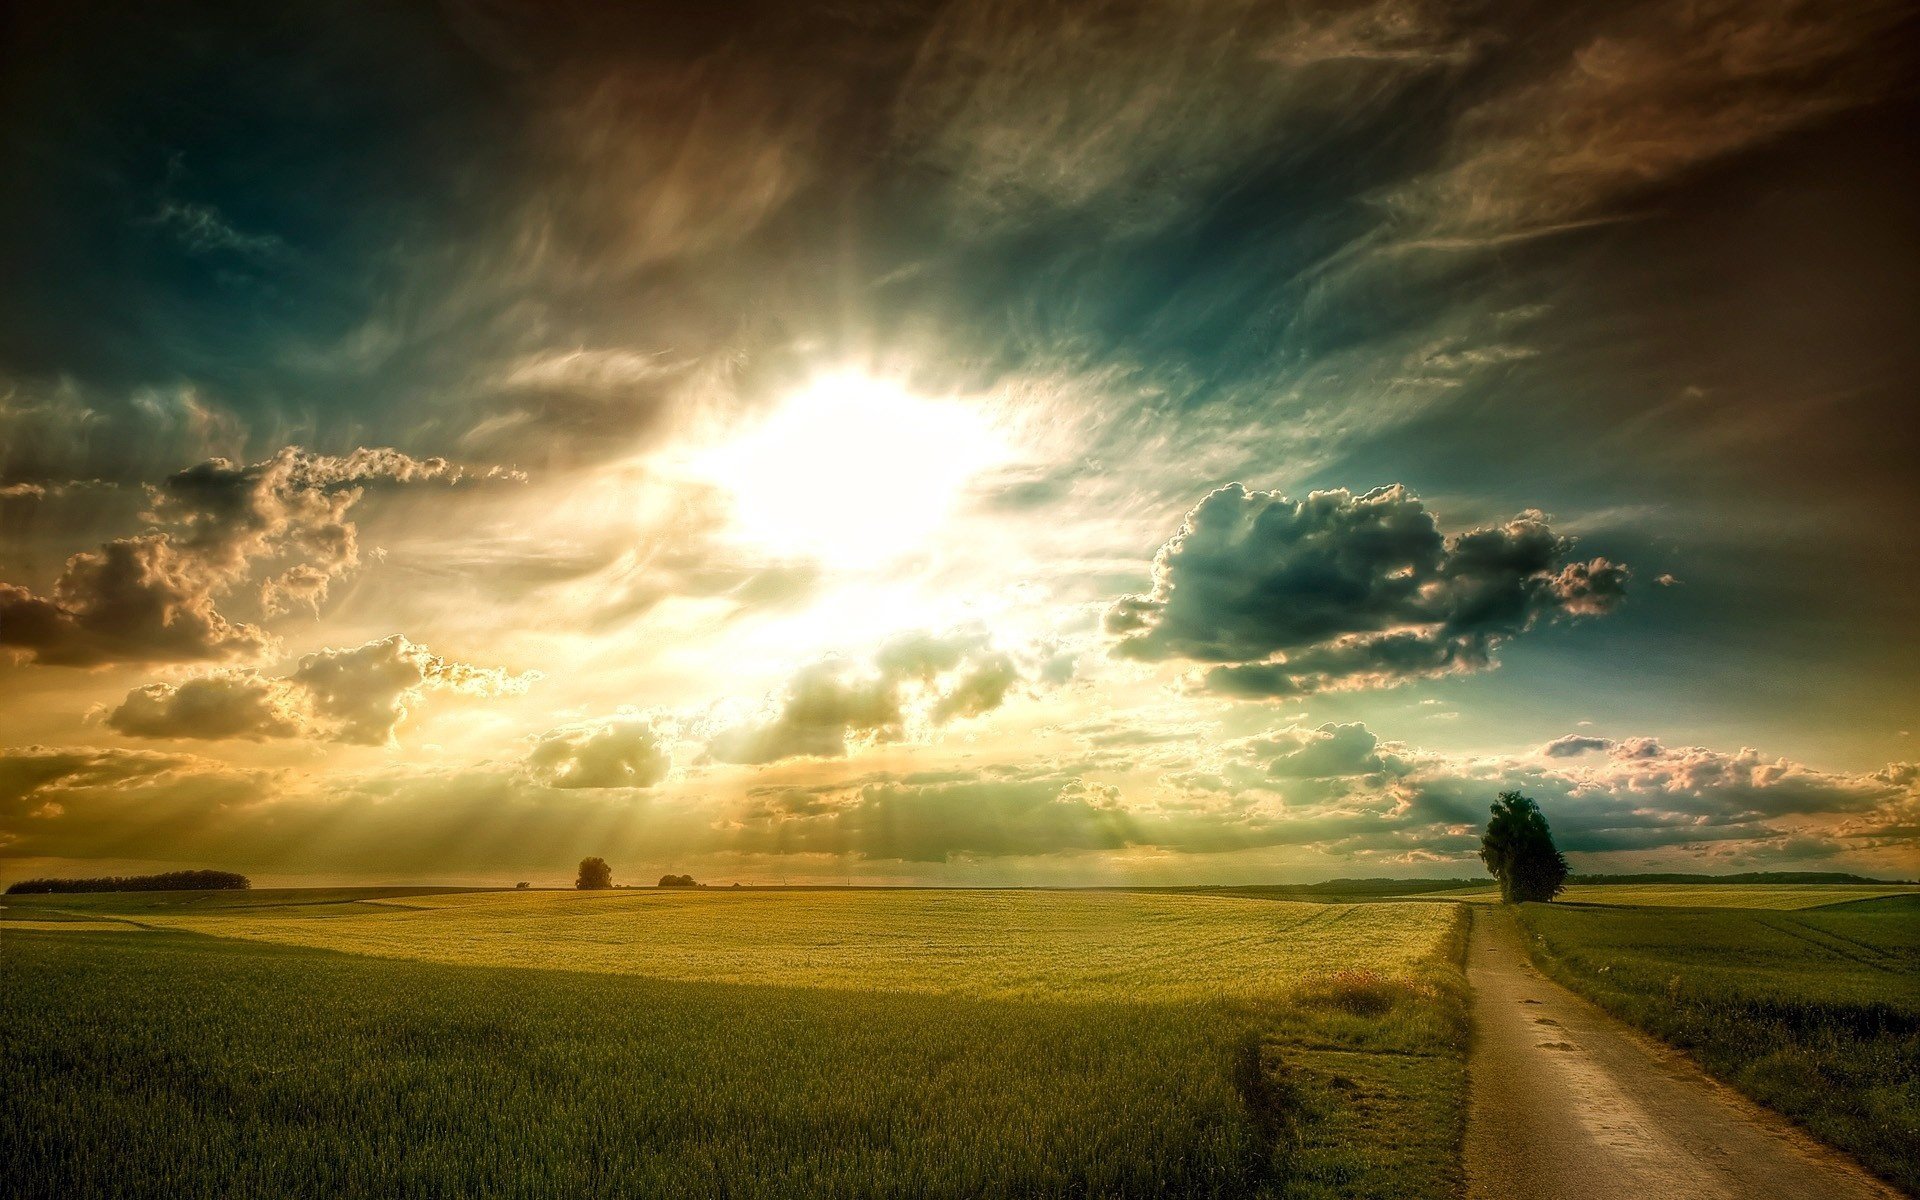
[204, 229]
[153, 597]
[1327, 752]
[223, 704]
[1659, 89]
[359, 695]
[114, 803]
[1133, 111]
[1574, 744]
[1341, 784]
[134, 599]
[826, 708]
[832, 706]
[1337, 796]
[618, 753]
[914, 820]
[1339, 591]
[579, 404]
[59, 430]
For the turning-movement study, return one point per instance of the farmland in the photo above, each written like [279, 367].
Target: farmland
[1781, 897]
[1086, 946]
[835, 1042]
[791, 1043]
[1813, 1012]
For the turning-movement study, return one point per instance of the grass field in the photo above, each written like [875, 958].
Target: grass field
[1047, 945]
[769, 1043]
[1814, 1012]
[1782, 897]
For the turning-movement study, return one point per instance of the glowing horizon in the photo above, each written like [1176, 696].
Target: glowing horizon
[956, 449]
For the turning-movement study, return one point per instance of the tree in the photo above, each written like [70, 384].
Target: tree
[677, 881]
[1518, 849]
[595, 874]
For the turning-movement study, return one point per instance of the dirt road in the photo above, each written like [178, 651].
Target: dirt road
[1569, 1104]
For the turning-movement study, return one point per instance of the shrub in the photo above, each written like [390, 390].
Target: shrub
[1362, 992]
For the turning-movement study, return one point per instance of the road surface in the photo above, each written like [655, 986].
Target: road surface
[1569, 1104]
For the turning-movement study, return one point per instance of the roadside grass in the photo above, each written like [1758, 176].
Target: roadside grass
[158, 1063]
[1784, 897]
[1815, 1013]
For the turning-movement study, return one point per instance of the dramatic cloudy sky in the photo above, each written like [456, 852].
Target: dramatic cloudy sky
[984, 442]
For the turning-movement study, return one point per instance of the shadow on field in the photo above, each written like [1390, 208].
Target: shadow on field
[184, 1066]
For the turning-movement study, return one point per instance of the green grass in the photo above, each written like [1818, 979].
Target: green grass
[999, 944]
[719, 1044]
[1815, 1013]
[1782, 897]
[222, 900]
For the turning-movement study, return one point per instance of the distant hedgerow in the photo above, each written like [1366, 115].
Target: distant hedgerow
[170, 881]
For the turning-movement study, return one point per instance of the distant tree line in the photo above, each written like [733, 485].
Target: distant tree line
[677, 881]
[171, 881]
[1775, 877]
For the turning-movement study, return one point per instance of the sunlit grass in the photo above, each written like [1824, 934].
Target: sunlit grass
[1814, 1012]
[1778, 896]
[1045, 945]
[787, 1044]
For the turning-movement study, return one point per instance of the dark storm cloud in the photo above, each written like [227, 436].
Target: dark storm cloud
[358, 694]
[154, 597]
[1342, 591]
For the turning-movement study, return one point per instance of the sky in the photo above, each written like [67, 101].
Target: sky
[972, 443]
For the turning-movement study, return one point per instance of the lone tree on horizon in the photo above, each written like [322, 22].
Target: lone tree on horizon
[1518, 849]
[595, 875]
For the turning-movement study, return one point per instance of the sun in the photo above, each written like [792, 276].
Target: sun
[852, 471]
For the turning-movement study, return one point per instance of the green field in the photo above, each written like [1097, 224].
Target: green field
[1045, 945]
[1784, 897]
[1814, 1012]
[827, 1043]
[854, 1042]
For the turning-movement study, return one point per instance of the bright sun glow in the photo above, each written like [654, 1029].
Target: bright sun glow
[852, 471]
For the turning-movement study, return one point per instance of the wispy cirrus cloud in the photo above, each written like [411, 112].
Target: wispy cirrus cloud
[1655, 91]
